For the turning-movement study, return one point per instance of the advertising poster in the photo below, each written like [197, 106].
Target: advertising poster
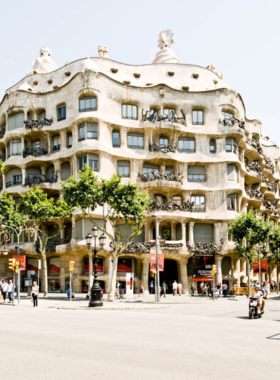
[153, 262]
[264, 267]
[22, 262]
[99, 265]
[129, 285]
[124, 266]
[54, 265]
[27, 282]
[202, 266]
[32, 265]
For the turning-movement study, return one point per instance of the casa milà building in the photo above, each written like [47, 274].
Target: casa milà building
[177, 129]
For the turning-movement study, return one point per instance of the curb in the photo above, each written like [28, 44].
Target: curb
[112, 308]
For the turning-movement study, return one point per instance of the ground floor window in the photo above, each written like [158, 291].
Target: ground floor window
[54, 286]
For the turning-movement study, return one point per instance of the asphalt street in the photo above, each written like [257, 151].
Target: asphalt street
[198, 339]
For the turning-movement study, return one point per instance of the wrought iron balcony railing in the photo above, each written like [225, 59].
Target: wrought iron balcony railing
[205, 248]
[51, 245]
[254, 193]
[230, 122]
[13, 183]
[37, 123]
[171, 206]
[33, 179]
[36, 152]
[160, 176]
[272, 206]
[162, 148]
[2, 132]
[153, 116]
[255, 144]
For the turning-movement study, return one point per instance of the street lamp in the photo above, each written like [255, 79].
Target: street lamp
[95, 291]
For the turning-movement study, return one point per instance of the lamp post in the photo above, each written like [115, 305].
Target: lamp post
[18, 235]
[95, 291]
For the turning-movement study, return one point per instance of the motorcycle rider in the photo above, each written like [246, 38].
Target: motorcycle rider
[258, 294]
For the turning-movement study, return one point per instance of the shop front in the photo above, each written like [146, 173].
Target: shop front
[201, 269]
[53, 271]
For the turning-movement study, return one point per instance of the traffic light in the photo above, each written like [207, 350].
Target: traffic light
[71, 266]
[16, 266]
[12, 263]
[214, 270]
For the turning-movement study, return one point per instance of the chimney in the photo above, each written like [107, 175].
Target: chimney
[105, 51]
[213, 67]
[101, 51]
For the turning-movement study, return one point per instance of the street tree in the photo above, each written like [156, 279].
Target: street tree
[41, 212]
[274, 254]
[9, 215]
[119, 201]
[249, 233]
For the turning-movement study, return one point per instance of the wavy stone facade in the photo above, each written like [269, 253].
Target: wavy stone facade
[177, 129]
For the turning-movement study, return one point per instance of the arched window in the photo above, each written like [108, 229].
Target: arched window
[197, 117]
[186, 144]
[231, 145]
[232, 202]
[198, 203]
[226, 115]
[124, 168]
[92, 160]
[88, 103]
[13, 177]
[149, 168]
[88, 131]
[231, 172]
[129, 111]
[15, 121]
[135, 140]
[163, 140]
[212, 146]
[196, 174]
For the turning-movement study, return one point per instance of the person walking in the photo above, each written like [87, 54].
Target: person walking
[219, 288]
[174, 288]
[180, 287]
[205, 290]
[4, 287]
[225, 288]
[192, 289]
[34, 293]
[10, 289]
[152, 287]
[141, 290]
[163, 289]
[201, 286]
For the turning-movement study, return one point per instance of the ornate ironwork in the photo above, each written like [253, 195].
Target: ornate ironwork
[36, 152]
[264, 179]
[272, 186]
[269, 165]
[254, 193]
[233, 121]
[159, 176]
[255, 144]
[162, 148]
[2, 132]
[170, 206]
[136, 248]
[205, 248]
[254, 167]
[51, 245]
[272, 206]
[37, 123]
[39, 178]
[171, 118]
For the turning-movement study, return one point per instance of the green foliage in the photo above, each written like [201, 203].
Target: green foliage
[1, 166]
[8, 213]
[274, 245]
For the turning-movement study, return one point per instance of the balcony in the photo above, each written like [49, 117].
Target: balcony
[272, 206]
[153, 117]
[253, 167]
[268, 165]
[170, 206]
[51, 245]
[231, 122]
[205, 248]
[36, 152]
[2, 132]
[160, 176]
[255, 144]
[146, 247]
[34, 179]
[37, 123]
[13, 183]
[162, 148]
[254, 193]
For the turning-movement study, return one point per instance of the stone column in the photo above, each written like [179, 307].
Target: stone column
[145, 275]
[90, 270]
[217, 229]
[237, 271]
[62, 232]
[184, 233]
[162, 168]
[173, 231]
[191, 237]
[23, 173]
[184, 276]
[4, 181]
[147, 230]
[219, 276]
[43, 170]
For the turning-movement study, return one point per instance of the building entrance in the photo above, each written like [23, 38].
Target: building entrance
[169, 275]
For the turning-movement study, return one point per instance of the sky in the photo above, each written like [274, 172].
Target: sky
[240, 37]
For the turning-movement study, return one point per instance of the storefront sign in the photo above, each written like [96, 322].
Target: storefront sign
[264, 267]
[153, 261]
[27, 282]
[124, 266]
[129, 285]
[202, 266]
[22, 262]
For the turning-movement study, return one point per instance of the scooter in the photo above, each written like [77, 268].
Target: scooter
[254, 310]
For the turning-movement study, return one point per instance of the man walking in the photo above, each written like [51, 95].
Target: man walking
[152, 287]
[163, 289]
[225, 288]
[10, 289]
[174, 288]
[4, 287]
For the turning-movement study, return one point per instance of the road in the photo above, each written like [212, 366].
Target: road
[197, 340]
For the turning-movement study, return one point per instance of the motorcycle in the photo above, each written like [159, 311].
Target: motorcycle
[254, 310]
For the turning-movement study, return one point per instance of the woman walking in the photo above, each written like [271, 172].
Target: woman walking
[4, 288]
[34, 292]
[141, 290]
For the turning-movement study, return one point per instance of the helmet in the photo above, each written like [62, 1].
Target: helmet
[257, 286]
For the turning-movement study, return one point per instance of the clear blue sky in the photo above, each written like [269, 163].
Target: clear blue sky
[241, 37]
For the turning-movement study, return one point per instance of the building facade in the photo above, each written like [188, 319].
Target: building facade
[176, 129]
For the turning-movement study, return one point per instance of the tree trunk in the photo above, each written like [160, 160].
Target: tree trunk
[249, 281]
[277, 278]
[45, 273]
[111, 295]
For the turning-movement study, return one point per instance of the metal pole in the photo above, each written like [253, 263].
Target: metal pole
[70, 286]
[260, 273]
[18, 279]
[14, 280]
[157, 251]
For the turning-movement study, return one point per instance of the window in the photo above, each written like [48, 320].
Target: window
[256, 163]
[195, 76]
[116, 138]
[203, 233]
[240, 153]
[88, 104]
[69, 140]
[92, 160]
[231, 145]
[149, 168]
[170, 73]
[114, 71]
[255, 186]
[163, 141]
[198, 203]
[61, 113]
[186, 144]
[232, 202]
[196, 174]
[15, 121]
[36, 144]
[129, 111]
[137, 76]
[197, 117]
[169, 170]
[178, 200]
[14, 148]
[88, 131]
[169, 112]
[227, 115]
[231, 172]
[135, 140]
[17, 179]
[212, 146]
[124, 168]
[56, 142]
[159, 198]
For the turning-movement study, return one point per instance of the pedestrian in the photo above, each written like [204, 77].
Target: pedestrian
[174, 288]
[192, 289]
[163, 289]
[10, 290]
[225, 288]
[141, 290]
[152, 287]
[201, 286]
[34, 293]
[219, 288]
[180, 288]
[205, 291]
[4, 287]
